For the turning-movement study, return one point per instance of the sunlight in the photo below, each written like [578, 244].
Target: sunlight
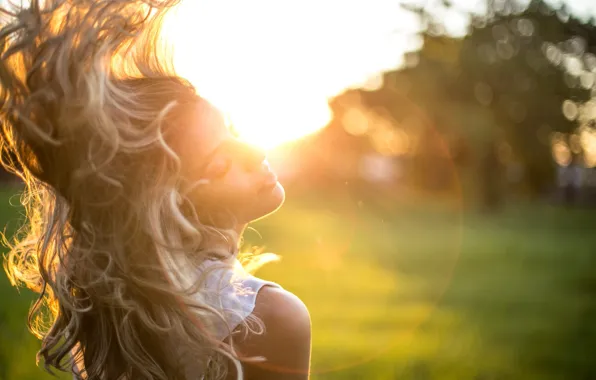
[273, 66]
[274, 121]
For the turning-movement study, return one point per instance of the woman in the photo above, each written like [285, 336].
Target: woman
[136, 195]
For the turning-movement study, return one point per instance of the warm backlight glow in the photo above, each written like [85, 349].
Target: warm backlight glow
[275, 121]
[273, 65]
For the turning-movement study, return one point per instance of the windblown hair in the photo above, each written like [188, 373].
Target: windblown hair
[89, 107]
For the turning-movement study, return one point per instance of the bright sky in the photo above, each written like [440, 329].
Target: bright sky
[273, 64]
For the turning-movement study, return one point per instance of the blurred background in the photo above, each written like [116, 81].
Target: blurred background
[439, 160]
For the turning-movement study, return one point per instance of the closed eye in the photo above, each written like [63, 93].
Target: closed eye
[218, 168]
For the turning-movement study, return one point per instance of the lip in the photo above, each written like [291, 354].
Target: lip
[269, 180]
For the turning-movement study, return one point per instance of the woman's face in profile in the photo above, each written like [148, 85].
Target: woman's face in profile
[240, 180]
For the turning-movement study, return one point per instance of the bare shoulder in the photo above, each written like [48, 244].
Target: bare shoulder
[277, 306]
[286, 342]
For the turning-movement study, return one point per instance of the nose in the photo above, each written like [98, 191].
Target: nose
[255, 156]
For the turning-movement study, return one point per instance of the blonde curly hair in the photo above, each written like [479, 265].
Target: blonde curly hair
[89, 108]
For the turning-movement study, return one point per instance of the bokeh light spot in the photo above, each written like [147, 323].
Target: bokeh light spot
[570, 110]
[483, 93]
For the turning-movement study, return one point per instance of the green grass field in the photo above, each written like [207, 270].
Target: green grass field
[401, 291]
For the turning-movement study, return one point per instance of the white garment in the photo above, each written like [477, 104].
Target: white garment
[233, 292]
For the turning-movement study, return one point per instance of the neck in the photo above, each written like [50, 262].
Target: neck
[217, 242]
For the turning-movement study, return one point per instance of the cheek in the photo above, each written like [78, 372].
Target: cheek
[240, 197]
[238, 188]
[234, 191]
[240, 193]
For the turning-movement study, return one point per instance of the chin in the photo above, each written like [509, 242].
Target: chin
[269, 202]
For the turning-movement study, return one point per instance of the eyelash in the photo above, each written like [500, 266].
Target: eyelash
[219, 168]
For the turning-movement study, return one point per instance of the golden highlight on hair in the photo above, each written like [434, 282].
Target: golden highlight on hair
[89, 107]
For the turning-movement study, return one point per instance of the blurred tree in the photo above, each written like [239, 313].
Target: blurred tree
[505, 67]
[507, 78]
[518, 75]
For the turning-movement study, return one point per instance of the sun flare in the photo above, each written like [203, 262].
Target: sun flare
[272, 66]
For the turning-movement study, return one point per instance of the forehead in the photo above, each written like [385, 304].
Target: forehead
[201, 133]
[205, 130]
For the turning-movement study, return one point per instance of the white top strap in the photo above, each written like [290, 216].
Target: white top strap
[233, 292]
